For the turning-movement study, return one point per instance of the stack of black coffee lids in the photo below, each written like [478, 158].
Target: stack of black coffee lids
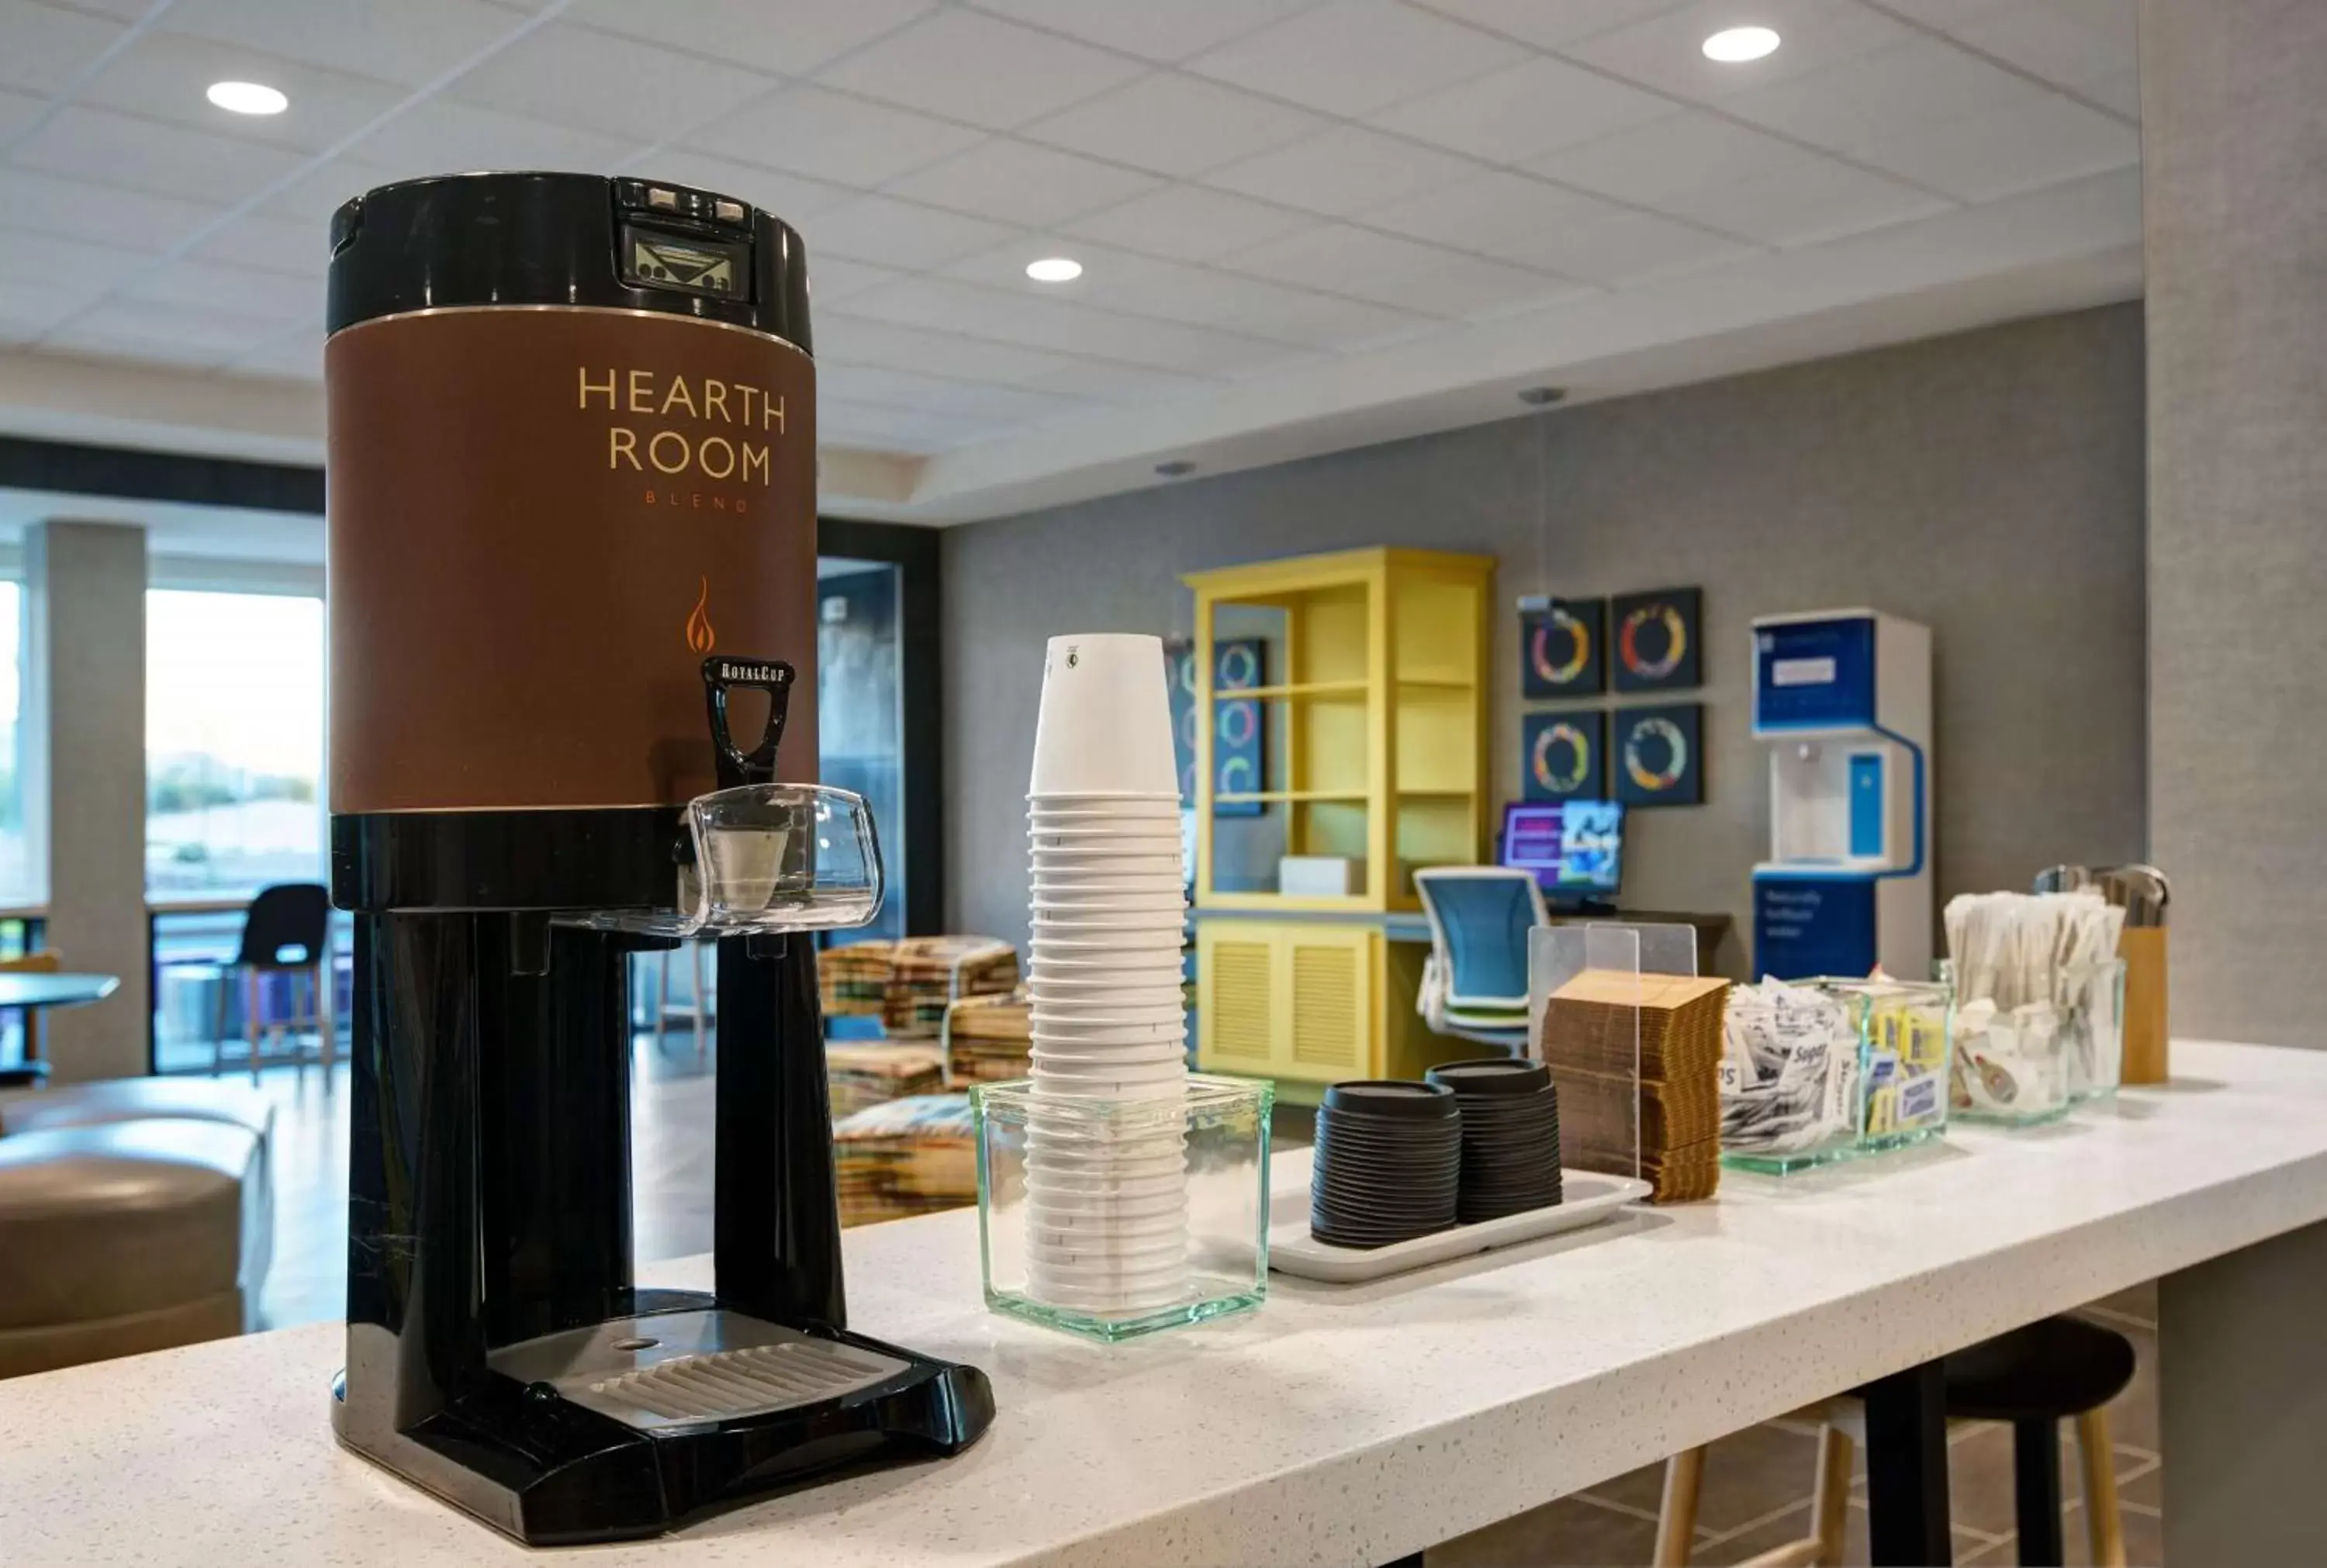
[1510, 1136]
[1388, 1164]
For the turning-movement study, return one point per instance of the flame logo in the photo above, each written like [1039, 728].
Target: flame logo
[699, 635]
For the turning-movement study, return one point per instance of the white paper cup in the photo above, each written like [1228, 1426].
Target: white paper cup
[1110, 806]
[1069, 1210]
[1075, 903]
[1148, 1280]
[1134, 1260]
[1109, 877]
[1123, 1159]
[1096, 942]
[1076, 1057]
[1099, 1037]
[1153, 1082]
[1077, 925]
[1162, 992]
[1081, 832]
[1150, 970]
[1110, 1303]
[1103, 1012]
[1104, 724]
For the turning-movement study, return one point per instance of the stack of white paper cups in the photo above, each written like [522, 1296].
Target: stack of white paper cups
[1106, 1184]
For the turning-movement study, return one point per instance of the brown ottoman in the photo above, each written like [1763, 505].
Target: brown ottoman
[127, 1236]
[134, 1099]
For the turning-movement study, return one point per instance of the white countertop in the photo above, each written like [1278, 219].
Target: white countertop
[1337, 1425]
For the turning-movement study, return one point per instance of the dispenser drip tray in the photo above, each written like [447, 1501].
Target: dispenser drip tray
[679, 1369]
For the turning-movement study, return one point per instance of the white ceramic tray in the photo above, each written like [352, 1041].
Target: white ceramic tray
[1587, 1199]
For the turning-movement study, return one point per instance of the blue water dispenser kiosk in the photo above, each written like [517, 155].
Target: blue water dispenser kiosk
[1844, 697]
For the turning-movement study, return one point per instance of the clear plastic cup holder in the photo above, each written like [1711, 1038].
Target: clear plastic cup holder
[766, 858]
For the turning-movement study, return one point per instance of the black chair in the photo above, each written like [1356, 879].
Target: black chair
[2058, 1369]
[286, 929]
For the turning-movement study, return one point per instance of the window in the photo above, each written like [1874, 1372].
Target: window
[17, 883]
[234, 741]
[859, 723]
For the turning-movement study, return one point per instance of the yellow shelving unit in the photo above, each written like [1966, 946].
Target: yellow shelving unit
[1376, 727]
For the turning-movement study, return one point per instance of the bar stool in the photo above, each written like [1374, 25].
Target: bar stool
[2035, 1378]
[287, 930]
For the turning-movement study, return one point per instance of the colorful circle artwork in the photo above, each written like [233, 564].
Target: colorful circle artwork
[1239, 667]
[1560, 647]
[1656, 754]
[1236, 777]
[1562, 759]
[1238, 722]
[1652, 641]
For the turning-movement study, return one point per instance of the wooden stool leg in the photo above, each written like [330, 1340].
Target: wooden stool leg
[1830, 1503]
[1676, 1518]
[218, 1021]
[251, 1018]
[2104, 1524]
[2036, 1491]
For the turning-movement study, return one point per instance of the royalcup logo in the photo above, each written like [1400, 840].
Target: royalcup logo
[707, 429]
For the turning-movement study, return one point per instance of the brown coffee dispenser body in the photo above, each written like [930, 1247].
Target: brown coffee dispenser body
[571, 475]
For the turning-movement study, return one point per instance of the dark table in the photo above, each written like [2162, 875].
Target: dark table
[31, 988]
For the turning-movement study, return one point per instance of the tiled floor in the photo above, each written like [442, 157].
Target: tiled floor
[1757, 1482]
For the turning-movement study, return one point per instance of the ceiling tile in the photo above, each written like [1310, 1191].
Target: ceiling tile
[164, 160]
[47, 44]
[854, 340]
[1352, 57]
[1947, 14]
[1549, 24]
[1683, 151]
[1513, 115]
[832, 278]
[1388, 270]
[232, 290]
[410, 43]
[65, 265]
[107, 215]
[1020, 184]
[790, 196]
[1062, 325]
[905, 235]
[1490, 215]
[826, 135]
[133, 325]
[1104, 381]
[296, 355]
[1882, 96]
[2069, 42]
[789, 40]
[1188, 223]
[968, 66]
[1167, 32]
[29, 310]
[1175, 125]
[94, 339]
[1978, 160]
[849, 423]
[312, 197]
[2121, 92]
[1199, 296]
[577, 76]
[18, 110]
[1817, 198]
[1667, 51]
[1343, 171]
[1625, 248]
[436, 135]
[937, 395]
[163, 76]
[273, 245]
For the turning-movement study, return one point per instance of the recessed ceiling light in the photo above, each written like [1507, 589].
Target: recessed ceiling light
[1175, 468]
[1735, 45]
[248, 97]
[1054, 269]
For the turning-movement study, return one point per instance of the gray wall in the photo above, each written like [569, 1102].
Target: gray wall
[2234, 135]
[1989, 484]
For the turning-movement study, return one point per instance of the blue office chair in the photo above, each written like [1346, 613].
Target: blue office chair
[1475, 984]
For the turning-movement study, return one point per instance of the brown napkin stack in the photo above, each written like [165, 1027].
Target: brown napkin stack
[907, 1157]
[1588, 1042]
[988, 1039]
[871, 1072]
[932, 973]
[854, 980]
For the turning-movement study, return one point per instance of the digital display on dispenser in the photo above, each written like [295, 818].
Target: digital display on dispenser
[1572, 846]
[1814, 674]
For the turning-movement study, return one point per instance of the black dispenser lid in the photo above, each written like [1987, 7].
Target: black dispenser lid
[566, 240]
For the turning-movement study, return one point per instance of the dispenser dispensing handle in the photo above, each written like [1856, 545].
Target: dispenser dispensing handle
[722, 675]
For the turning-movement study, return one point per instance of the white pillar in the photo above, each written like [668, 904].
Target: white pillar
[2234, 186]
[84, 716]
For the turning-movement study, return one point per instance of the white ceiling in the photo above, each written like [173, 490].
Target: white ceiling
[1304, 223]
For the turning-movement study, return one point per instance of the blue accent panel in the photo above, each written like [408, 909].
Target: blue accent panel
[1867, 804]
[1915, 755]
[1814, 674]
[1806, 926]
[1486, 920]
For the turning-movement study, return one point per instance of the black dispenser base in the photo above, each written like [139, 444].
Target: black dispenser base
[526, 1457]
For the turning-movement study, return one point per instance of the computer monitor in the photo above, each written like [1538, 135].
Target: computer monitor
[1575, 848]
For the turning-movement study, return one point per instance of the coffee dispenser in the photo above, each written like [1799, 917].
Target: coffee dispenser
[572, 541]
